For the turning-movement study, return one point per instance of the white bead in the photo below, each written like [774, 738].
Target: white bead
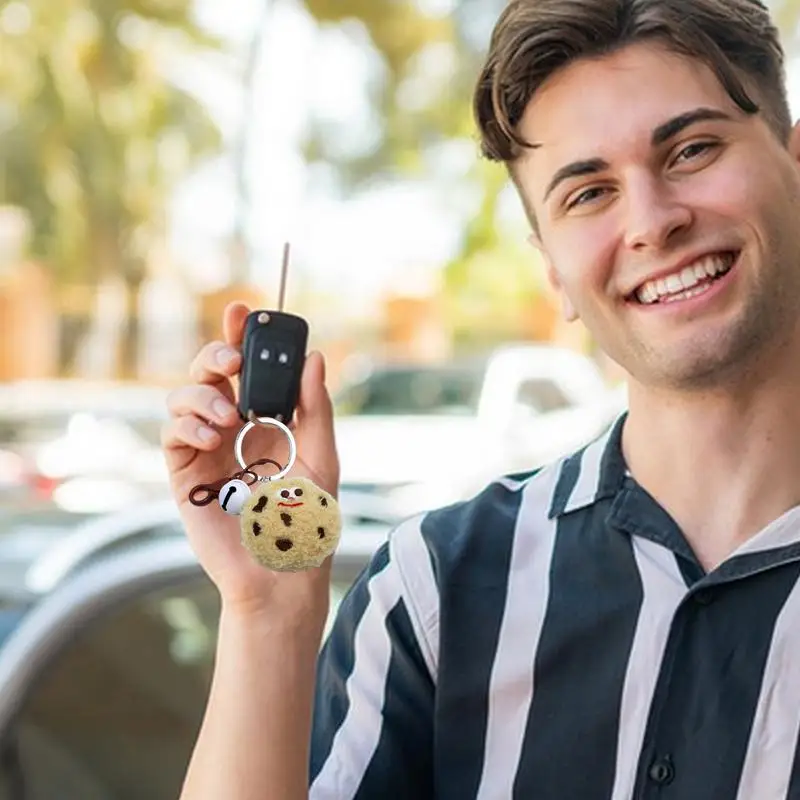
[232, 497]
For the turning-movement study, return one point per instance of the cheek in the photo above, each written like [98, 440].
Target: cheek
[583, 255]
[750, 192]
[731, 193]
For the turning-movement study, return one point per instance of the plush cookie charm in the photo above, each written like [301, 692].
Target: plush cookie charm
[290, 524]
[287, 524]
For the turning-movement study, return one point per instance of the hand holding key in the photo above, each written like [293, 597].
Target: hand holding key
[197, 453]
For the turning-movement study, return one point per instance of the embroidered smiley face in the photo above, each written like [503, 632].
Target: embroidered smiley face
[290, 524]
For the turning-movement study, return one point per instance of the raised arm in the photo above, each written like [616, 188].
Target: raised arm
[254, 740]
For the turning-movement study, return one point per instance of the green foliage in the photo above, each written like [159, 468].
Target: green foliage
[405, 40]
[423, 99]
[94, 136]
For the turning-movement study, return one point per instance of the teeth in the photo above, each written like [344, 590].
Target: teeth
[689, 278]
[674, 284]
[687, 294]
[681, 285]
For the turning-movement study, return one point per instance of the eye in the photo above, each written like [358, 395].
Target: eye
[298, 492]
[286, 494]
[694, 151]
[586, 196]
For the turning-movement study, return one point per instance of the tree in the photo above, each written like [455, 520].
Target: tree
[429, 63]
[96, 137]
[786, 14]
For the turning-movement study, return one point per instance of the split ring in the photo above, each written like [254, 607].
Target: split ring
[276, 424]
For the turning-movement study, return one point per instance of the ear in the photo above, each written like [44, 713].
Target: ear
[567, 309]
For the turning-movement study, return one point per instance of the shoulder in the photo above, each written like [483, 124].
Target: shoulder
[473, 539]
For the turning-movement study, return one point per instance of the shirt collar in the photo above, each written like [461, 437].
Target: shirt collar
[599, 472]
[594, 473]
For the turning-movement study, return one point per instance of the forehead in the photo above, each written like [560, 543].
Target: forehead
[598, 107]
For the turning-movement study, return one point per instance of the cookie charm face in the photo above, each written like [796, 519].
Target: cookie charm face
[290, 524]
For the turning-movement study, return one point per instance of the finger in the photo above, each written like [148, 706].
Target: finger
[204, 402]
[215, 364]
[188, 433]
[233, 322]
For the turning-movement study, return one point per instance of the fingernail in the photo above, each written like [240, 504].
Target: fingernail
[225, 355]
[205, 434]
[222, 408]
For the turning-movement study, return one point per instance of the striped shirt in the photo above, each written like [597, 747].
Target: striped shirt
[555, 638]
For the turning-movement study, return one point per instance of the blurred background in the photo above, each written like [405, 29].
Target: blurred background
[155, 156]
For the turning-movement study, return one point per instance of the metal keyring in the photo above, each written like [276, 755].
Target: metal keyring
[276, 424]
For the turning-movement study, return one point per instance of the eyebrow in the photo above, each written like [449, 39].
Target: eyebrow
[663, 133]
[576, 169]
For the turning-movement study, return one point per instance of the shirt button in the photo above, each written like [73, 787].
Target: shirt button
[704, 597]
[662, 771]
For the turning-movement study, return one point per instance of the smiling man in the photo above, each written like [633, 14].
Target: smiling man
[624, 623]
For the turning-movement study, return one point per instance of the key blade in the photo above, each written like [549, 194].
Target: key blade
[284, 275]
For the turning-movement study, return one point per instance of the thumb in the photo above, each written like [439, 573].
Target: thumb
[315, 425]
[315, 409]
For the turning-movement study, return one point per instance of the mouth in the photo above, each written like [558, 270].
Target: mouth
[689, 282]
[289, 505]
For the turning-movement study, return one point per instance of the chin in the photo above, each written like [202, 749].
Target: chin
[712, 353]
[702, 369]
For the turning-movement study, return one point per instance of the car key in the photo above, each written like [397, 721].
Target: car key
[273, 356]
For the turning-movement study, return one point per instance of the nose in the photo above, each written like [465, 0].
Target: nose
[655, 216]
[284, 544]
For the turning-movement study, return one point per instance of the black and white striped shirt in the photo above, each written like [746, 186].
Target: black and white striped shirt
[556, 639]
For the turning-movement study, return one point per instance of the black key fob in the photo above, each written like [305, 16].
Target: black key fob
[273, 355]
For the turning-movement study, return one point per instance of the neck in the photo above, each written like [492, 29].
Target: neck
[723, 463]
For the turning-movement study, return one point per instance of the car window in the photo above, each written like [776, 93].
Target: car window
[542, 395]
[117, 712]
[417, 390]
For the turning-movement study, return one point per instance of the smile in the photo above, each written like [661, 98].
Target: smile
[690, 281]
[290, 505]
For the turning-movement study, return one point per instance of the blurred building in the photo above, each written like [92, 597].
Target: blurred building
[28, 314]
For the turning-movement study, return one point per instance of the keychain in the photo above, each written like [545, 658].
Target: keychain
[287, 524]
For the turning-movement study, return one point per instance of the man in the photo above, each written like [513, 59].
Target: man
[624, 623]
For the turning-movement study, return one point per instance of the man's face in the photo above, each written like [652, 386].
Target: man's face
[668, 218]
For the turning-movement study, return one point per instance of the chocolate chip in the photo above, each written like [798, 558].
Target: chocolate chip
[261, 504]
[323, 501]
[256, 529]
[321, 532]
[283, 545]
[287, 519]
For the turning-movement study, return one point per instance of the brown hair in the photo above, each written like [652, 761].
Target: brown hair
[535, 38]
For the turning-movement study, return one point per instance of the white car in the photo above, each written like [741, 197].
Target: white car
[413, 437]
[90, 446]
[108, 632]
